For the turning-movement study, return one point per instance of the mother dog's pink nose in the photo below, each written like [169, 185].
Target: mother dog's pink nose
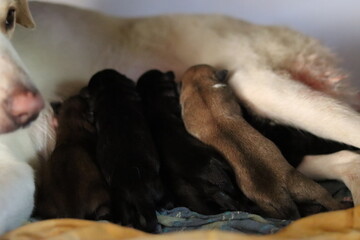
[24, 106]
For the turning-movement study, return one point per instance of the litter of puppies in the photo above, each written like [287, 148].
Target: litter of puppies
[125, 151]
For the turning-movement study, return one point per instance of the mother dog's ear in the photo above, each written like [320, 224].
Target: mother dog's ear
[23, 14]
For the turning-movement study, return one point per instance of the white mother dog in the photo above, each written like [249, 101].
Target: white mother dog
[278, 73]
[20, 103]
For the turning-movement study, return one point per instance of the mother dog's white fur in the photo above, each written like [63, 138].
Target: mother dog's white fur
[16, 175]
[70, 44]
[261, 60]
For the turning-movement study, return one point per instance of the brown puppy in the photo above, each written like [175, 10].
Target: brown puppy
[212, 114]
[70, 185]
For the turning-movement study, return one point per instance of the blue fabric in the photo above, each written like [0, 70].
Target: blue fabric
[181, 219]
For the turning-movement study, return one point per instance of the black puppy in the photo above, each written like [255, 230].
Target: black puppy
[126, 154]
[196, 175]
[69, 184]
[293, 143]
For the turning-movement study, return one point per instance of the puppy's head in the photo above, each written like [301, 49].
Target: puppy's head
[156, 84]
[74, 114]
[203, 80]
[204, 76]
[159, 92]
[108, 79]
[203, 88]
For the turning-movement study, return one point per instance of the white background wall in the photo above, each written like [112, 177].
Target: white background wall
[335, 22]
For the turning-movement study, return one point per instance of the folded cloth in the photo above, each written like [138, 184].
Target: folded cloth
[181, 219]
[332, 225]
[343, 224]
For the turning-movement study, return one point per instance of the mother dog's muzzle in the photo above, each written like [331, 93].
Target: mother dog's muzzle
[23, 106]
[20, 101]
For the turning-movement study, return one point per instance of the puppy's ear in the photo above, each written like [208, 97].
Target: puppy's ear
[170, 75]
[84, 92]
[221, 75]
[56, 107]
[23, 14]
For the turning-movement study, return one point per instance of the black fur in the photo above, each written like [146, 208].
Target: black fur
[125, 152]
[196, 175]
[293, 143]
[69, 184]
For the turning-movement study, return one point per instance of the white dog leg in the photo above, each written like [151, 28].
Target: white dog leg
[17, 191]
[278, 97]
[343, 166]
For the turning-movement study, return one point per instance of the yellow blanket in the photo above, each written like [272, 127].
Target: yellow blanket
[333, 225]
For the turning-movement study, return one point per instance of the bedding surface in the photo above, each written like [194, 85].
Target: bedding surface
[343, 224]
[181, 223]
[181, 219]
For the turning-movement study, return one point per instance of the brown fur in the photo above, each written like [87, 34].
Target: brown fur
[70, 183]
[213, 115]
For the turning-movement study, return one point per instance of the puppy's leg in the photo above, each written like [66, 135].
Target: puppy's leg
[343, 166]
[278, 97]
[17, 190]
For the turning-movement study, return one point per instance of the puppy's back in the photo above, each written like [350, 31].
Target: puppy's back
[125, 150]
[70, 184]
[196, 175]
